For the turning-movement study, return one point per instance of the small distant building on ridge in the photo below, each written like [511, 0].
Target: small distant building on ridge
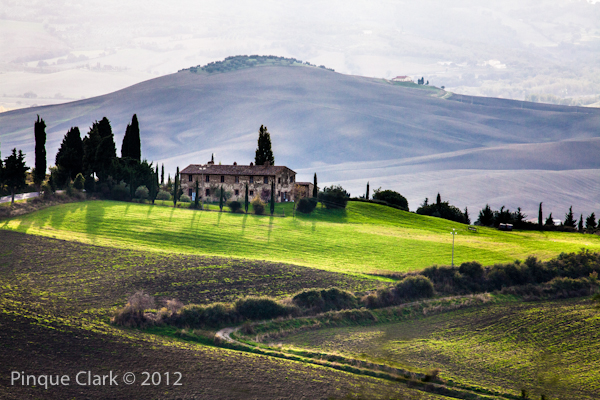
[402, 78]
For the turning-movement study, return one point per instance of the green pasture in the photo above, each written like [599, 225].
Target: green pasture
[364, 238]
[547, 348]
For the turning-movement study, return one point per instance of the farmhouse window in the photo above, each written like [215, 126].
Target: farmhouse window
[207, 178]
[222, 179]
[251, 179]
[190, 178]
[237, 179]
[292, 179]
[279, 180]
[252, 193]
[208, 192]
[190, 192]
[237, 192]
[266, 180]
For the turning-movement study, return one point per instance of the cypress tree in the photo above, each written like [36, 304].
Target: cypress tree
[106, 150]
[580, 224]
[570, 219]
[162, 174]
[14, 172]
[221, 199]
[197, 199]
[467, 219]
[246, 199]
[156, 183]
[40, 152]
[176, 188]
[540, 216]
[263, 151]
[131, 147]
[315, 187]
[438, 200]
[272, 197]
[549, 220]
[590, 222]
[367, 195]
[69, 157]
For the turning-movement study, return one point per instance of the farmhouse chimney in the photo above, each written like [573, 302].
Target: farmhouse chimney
[234, 163]
[252, 164]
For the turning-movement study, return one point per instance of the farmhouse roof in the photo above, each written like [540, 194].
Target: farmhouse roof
[211, 169]
[401, 77]
[304, 183]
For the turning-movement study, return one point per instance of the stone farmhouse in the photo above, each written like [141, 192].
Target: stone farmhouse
[234, 178]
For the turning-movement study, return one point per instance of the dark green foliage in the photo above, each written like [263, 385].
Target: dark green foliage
[367, 192]
[120, 192]
[467, 218]
[391, 197]
[590, 222]
[257, 308]
[69, 157]
[441, 209]
[315, 187]
[221, 199]
[163, 195]
[580, 223]
[258, 206]
[272, 202]
[334, 197]
[322, 300]
[549, 221]
[246, 201]
[176, 188]
[40, 151]
[197, 199]
[234, 63]
[99, 150]
[306, 205]
[410, 288]
[235, 206]
[486, 216]
[162, 174]
[79, 182]
[570, 219]
[264, 153]
[14, 172]
[131, 147]
[540, 215]
[141, 193]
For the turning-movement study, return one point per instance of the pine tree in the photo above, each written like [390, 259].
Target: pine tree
[14, 172]
[549, 221]
[40, 152]
[569, 218]
[264, 153]
[590, 222]
[175, 188]
[131, 147]
[315, 187]
[246, 200]
[69, 158]
[540, 216]
[272, 197]
[367, 194]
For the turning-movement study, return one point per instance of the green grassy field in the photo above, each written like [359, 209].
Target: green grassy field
[548, 347]
[364, 238]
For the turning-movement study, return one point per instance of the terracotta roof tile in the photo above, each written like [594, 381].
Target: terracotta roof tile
[212, 169]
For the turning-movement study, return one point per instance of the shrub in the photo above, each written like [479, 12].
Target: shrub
[414, 287]
[163, 195]
[184, 198]
[141, 193]
[321, 300]
[260, 308]
[47, 191]
[90, 184]
[306, 205]
[79, 182]
[334, 197]
[120, 192]
[391, 197]
[258, 206]
[132, 314]
[234, 206]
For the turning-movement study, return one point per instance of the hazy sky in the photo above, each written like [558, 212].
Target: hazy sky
[56, 51]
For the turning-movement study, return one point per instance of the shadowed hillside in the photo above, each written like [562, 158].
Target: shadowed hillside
[351, 129]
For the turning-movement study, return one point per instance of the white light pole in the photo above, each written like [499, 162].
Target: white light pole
[453, 233]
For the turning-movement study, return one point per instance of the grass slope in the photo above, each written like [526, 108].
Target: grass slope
[362, 239]
[545, 347]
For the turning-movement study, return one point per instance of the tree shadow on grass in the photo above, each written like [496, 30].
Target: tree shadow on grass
[219, 218]
[270, 229]
[244, 223]
[93, 216]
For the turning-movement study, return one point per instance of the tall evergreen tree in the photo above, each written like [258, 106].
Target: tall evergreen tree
[175, 188]
[315, 187]
[162, 174]
[486, 216]
[264, 153]
[367, 194]
[1, 173]
[40, 152]
[570, 219]
[580, 224]
[467, 219]
[197, 199]
[549, 221]
[221, 199]
[540, 215]
[156, 183]
[272, 197]
[14, 172]
[590, 222]
[246, 200]
[131, 147]
[69, 157]
[438, 199]
[99, 149]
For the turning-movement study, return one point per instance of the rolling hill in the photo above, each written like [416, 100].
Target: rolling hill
[350, 130]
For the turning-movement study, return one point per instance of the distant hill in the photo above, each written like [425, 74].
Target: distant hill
[350, 130]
